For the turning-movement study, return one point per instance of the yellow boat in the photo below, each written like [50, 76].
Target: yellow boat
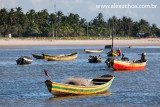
[64, 57]
[110, 53]
[99, 85]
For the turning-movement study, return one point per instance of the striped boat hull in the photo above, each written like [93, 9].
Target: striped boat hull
[68, 57]
[93, 51]
[126, 65]
[59, 89]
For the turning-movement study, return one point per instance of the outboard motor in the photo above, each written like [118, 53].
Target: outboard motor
[143, 57]
[109, 62]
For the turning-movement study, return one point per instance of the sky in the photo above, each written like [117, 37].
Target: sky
[88, 8]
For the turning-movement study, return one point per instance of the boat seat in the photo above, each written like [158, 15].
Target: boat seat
[98, 83]
[104, 78]
[101, 80]
[125, 59]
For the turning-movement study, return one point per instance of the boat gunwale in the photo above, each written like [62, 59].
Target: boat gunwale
[61, 55]
[76, 86]
[93, 51]
[130, 63]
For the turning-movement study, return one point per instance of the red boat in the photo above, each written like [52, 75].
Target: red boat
[125, 64]
[128, 65]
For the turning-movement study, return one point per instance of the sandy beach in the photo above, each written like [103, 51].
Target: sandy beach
[127, 42]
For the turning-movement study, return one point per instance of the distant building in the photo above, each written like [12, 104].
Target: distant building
[8, 35]
[142, 35]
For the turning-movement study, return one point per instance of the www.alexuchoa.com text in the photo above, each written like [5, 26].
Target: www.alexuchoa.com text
[126, 6]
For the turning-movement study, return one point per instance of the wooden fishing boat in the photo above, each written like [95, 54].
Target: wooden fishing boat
[112, 53]
[128, 65]
[93, 51]
[64, 57]
[125, 64]
[100, 85]
[24, 60]
[94, 59]
[38, 56]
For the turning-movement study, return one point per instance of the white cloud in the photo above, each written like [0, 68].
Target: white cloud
[65, 3]
[92, 6]
[107, 12]
[36, 1]
[145, 16]
[8, 4]
[152, 16]
[131, 13]
[78, 1]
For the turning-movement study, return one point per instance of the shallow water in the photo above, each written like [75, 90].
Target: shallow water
[23, 85]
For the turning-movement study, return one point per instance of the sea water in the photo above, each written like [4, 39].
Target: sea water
[23, 85]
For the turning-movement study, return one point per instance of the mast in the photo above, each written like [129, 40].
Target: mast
[87, 29]
[52, 22]
[112, 36]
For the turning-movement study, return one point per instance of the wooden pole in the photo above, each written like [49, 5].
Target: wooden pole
[112, 36]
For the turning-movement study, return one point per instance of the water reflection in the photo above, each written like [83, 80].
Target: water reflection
[81, 96]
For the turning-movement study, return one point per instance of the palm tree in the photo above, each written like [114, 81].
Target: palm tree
[99, 20]
[144, 26]
[3, 16]
[12, 17]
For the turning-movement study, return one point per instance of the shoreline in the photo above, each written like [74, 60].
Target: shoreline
[124, 42]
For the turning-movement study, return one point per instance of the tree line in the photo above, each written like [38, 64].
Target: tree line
[43, 24]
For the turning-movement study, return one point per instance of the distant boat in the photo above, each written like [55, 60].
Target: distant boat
[99, 85]
[94, 59]
[112, 53]
[93, 51]
[63, 57]
[38, 56]
[108, 46]
[24, 60]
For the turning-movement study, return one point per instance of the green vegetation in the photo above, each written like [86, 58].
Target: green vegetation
[42, 24]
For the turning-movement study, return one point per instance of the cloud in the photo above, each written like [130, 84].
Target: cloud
[78, 1]
[131, 13]
[92, 6]
[8, 4]
[65, 3]
[36, 1]
[145, 16]
[107, 12]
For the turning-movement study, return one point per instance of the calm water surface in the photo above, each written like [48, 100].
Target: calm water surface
[23, 85]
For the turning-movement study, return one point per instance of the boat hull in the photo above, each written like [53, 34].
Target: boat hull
[126, 65]
[94, 59]
[68, 57]
[38, 56]
[93, 51]
[59, 89]
[24, 60]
